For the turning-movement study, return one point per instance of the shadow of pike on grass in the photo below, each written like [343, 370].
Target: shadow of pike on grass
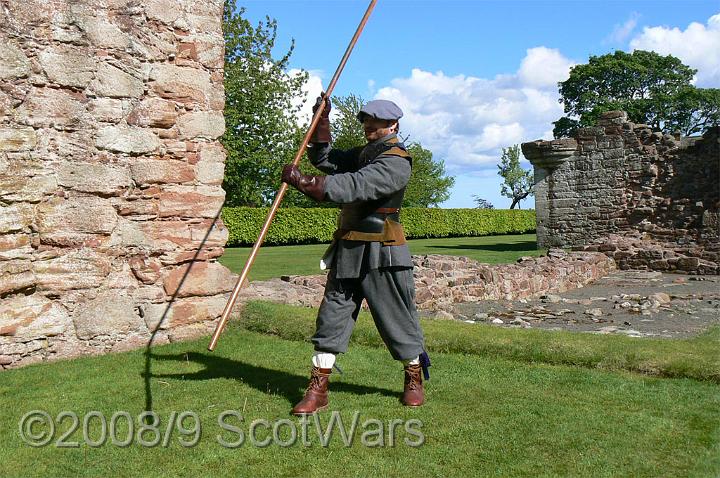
[287, 385]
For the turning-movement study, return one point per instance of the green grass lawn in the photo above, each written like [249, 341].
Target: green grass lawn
[501, 402]
[305, 259]
[487, 414]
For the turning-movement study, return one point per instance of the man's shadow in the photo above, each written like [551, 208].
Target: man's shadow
[263, 379]
[266, 380]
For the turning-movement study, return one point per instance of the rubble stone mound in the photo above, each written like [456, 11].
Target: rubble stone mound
[441, 281]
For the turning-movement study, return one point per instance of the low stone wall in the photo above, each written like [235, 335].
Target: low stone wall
[444, 280]
[642, 252]
[441, 281]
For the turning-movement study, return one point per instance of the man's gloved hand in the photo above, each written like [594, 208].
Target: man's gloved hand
[311, 186]
[322, 130]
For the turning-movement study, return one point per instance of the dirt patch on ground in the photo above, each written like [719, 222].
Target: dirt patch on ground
[634, 303]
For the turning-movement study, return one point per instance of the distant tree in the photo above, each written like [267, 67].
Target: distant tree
[692, 110]
[653, 89]
[429, 185]
[565, 127]
[347, 131]
[518, 183]
[482, 203]
[262, 102]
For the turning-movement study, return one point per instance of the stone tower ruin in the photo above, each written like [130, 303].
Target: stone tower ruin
[110, 175]
[649, 200]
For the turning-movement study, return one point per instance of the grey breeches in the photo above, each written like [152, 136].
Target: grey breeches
[390, 294]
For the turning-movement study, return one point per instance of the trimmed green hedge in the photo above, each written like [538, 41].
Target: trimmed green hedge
[316, 225]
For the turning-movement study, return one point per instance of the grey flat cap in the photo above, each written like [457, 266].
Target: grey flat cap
[380, 109]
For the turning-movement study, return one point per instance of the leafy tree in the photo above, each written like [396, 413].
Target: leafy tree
[564, 127]
[653, 89]
[482, 203]
[262, 131]
[428, 185]
[347, 131]
[693, 110]
[518, 182]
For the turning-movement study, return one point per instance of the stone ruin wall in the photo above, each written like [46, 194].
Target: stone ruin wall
[647, 199]
[110, 174]
[442, 281]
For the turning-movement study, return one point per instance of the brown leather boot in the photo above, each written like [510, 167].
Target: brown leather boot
[414, 394]
[316, 395]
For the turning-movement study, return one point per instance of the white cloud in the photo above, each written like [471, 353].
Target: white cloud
[621, 32]
[697, 46]
[371, 87]
[543, 68]
[466, 120]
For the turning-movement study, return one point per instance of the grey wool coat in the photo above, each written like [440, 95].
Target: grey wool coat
[347, 183]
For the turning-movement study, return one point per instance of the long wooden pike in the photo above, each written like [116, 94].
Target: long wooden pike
[281, 193]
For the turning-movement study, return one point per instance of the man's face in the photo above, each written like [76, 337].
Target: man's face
[377, 128]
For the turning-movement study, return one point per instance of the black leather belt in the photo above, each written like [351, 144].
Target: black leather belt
[372, 223]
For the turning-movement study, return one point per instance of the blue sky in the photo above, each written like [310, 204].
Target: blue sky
[476, 76]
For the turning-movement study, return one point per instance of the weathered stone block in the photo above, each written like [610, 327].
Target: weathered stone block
[77, 269]
[146, 269]
[210, 173]
[15, 276]
[153, 112]
[158, 10]
[107, 110]
[59, 219]
[14, 246]
[167, 236]
[110, 313]
[136, 207]
[202, 124]
[33, 317]
[17, 139]
[67, 66]
[212, 153]
[156, 171]
[59, 145]
[16, 217]
[190, 201]
[102, 33]
[13, 62]
[154, 45]
[203, 23]
[28, 189]
[52, 107]
[688, 263]
[200, 278]
[115, 83]
[99, 178]
[208, 50]
[127, 139]
[183, 312]
[186, 85]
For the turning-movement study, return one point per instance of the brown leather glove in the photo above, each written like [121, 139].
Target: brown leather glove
[321, 134]
[311, 186]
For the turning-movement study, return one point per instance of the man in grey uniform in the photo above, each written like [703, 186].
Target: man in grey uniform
[369, 258]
